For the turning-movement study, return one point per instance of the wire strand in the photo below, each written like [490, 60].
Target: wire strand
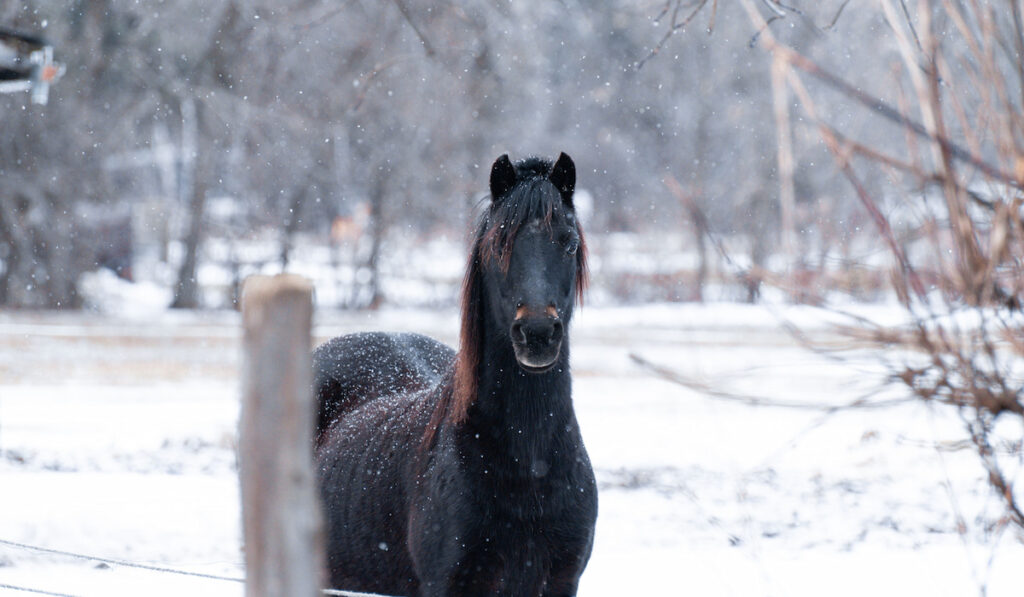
[36, 591]
[114, 562]
[127, 564]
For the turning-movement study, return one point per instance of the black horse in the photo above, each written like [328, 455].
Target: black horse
[464, 473]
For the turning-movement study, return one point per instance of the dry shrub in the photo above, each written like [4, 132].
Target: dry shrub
[960, 281]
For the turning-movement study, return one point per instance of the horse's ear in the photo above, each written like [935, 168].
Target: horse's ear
[563, 176]
[503, 177]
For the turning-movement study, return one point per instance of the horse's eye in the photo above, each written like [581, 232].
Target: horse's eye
[574, 245]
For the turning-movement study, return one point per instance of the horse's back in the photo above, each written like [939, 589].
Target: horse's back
[351, 370]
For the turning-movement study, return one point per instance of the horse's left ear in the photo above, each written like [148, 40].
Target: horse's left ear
[563, 176]
[503, 177]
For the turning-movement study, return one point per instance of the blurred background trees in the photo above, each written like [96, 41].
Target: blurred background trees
[182, 122]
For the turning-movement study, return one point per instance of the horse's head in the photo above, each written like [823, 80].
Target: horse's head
[531, 256]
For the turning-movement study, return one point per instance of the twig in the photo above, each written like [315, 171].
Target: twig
[321, 19]
[698, 214]
[995, 475]
[429, 49]
[775, 7]
[664, 11]
[764, 27]
[880, 107]
[845, 166]
[1018, 42]
[784, 160]
[910, 24]
[365, 80]
[889, 113]
[673, 27]
[677, 378]
[835, 19]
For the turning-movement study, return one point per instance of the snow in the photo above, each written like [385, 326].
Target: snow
[117, 439]
[103, 291]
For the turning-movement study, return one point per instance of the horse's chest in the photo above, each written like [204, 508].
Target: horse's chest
[525, 500]
[524, 489]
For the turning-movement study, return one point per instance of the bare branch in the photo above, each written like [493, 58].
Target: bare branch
[664, 11]
[1018, 42]
[698, 215]
[969, 366]
[775, 7]
[835, 19]
[910, 24]
[892, 114]
[427, 47]
[321, 19]
[843, 162]
[674, 26]
[714, 15]
[784, 158]
[691, 384]
[764, 27]
[364, 82]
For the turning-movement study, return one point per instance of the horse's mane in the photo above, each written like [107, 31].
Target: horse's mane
[532, 197]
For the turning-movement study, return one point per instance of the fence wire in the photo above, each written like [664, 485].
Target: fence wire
[35, 591]
[148, 567]
[114, 562]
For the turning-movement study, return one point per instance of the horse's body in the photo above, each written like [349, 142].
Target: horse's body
[465, 474]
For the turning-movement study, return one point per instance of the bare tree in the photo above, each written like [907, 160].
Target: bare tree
[960, 107]
[300, 105]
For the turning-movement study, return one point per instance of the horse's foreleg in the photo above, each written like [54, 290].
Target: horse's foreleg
[561, 586]
[564, 577]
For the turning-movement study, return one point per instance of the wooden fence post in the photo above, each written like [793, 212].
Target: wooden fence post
[283, 532]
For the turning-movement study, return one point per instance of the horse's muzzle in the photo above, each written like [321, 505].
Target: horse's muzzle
[537, 342]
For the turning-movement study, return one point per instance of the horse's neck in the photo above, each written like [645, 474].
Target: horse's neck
[520, 416]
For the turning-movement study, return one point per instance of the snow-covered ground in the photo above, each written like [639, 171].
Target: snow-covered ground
[117, 439]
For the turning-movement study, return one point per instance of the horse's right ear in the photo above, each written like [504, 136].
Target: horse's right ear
[503, 177]
[563, 176]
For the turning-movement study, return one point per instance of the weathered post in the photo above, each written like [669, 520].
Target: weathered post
[283, 534]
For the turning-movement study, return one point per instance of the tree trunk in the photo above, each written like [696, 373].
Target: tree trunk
[10, 251]
[291, 224]
[62, 279]
[377, 224]
[186, 290]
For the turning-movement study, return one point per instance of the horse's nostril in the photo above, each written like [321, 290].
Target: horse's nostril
[556, 332]
[518, 335]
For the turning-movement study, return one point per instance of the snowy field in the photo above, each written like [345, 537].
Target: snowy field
[117, 440]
